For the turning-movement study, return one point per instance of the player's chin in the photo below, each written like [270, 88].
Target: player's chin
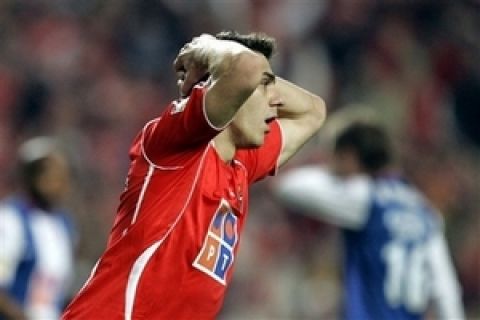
[257, 142]
[252, 143]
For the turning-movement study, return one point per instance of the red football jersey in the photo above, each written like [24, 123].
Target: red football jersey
[171, 251]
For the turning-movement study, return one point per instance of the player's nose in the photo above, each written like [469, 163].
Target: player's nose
[275, 99]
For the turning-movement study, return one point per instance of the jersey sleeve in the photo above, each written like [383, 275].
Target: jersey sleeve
[318, 192]
[12, 244]
[263, 161]
[183, 125]
[447, 297]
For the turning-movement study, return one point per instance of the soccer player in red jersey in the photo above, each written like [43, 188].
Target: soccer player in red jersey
[172, 248]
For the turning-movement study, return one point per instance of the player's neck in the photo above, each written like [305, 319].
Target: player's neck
[224, 145]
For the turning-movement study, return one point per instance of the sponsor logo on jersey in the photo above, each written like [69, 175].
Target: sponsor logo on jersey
[217, 253]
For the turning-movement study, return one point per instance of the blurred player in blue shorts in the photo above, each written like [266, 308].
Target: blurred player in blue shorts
[36, 247]
[396, 261]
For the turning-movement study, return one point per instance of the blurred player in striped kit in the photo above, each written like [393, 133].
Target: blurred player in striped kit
[396, 261]
[36, 236]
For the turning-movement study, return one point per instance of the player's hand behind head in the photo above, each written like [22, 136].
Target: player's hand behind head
[191, 63]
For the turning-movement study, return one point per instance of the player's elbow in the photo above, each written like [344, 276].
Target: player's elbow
[318, 113]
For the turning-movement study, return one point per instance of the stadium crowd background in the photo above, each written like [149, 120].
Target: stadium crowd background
[94, 71]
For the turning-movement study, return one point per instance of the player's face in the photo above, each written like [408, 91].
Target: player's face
[54, 182]
[251, 123]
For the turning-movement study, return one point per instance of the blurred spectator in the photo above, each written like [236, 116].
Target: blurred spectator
[36, 237]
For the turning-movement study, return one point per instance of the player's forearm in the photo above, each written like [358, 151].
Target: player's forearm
[223, 56]
[300, 103]
[235, 66]
[236, 73]
[301, 114]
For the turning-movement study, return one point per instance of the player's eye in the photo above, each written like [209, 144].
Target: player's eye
[266, 81]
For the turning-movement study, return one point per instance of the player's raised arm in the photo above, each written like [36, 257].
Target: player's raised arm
[316, 191]
[301, 115]
[234, 69]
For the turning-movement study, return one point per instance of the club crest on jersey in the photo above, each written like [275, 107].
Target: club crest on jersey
[217, 253]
